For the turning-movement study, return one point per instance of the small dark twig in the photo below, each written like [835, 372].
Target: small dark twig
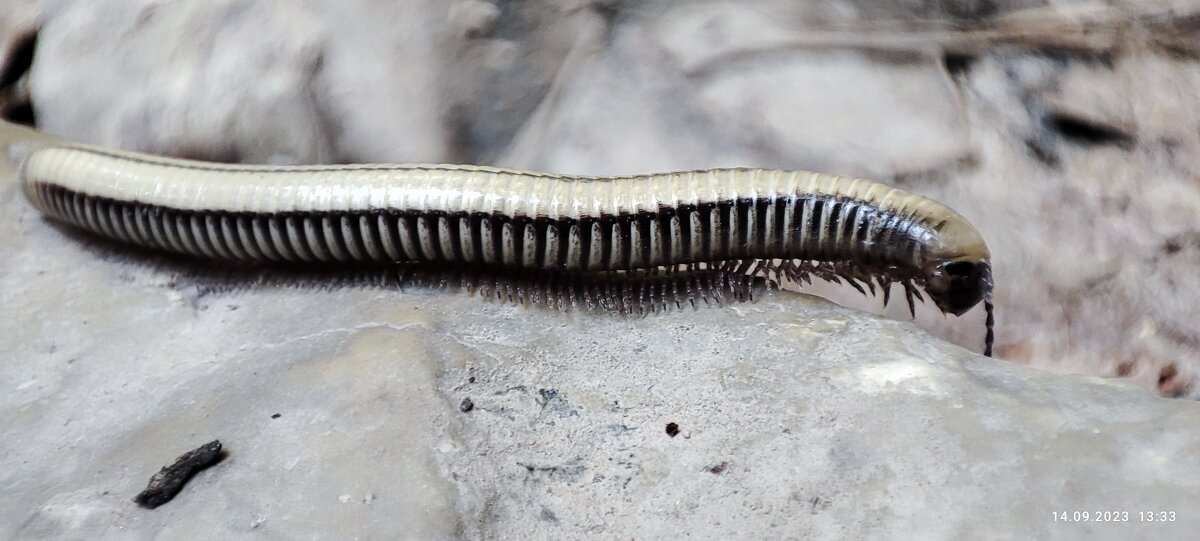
[165, 484]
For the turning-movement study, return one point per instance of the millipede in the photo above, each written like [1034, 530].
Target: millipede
[774, 224]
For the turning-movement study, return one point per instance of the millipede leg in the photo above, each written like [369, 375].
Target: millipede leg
[990, 337]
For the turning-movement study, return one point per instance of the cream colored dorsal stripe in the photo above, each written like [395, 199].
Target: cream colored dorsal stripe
[199, 186]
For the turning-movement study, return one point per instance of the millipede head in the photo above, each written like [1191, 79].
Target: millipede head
[957, 286]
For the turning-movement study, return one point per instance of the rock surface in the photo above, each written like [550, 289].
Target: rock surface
[343, 413]
[1068, 135]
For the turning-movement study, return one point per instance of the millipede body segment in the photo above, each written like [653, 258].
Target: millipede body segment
[790, 223]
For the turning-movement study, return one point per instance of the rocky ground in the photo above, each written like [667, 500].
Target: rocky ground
[1069, 134]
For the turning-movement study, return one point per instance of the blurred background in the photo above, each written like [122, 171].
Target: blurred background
[1067, 131]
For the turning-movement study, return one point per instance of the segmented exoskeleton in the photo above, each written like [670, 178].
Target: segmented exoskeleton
[780, 224]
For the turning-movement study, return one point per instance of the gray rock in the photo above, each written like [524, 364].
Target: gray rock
[341, 411]
[255, 82]
[1067, 134]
